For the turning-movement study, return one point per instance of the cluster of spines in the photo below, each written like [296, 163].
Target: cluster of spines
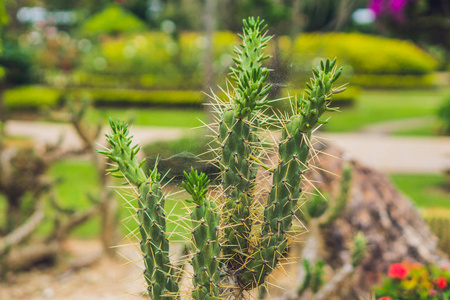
[205, 238]
[237, 160]
[249, 74]
[317, 96]
[237, 137]
[293, 155]
[159, 273]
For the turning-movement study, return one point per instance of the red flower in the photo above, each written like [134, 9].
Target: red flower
[385, 298]
[441, 283]
[398, 271]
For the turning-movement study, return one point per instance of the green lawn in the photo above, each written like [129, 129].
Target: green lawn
[79, 178]
[374, 106]
[164, 117]
[425, 190]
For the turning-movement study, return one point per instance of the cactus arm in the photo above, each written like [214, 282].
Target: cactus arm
[306, 279]
[293, 153]
[358, 251]
[159, 273]
[340, 203]
[238, 139]
[250, 76]
[205, 240]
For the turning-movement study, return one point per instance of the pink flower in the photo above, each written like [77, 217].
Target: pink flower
[432, 293]
[398, 270]
[441, 283]
[385, 298]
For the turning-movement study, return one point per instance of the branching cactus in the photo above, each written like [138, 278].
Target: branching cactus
[238, 237]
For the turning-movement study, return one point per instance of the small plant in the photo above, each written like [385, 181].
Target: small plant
[415, 281]
[239, 233]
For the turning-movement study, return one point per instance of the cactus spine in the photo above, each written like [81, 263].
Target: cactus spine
[237, 137]
[293, 152]
[205, 238]
[159, 273]
[246, 253]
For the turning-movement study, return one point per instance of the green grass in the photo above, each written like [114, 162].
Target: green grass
[188, 118]
[425, 190]
[385, 105]
[79, 177]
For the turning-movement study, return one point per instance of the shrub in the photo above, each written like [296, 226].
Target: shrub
[112, 20]
[416, 282]
[156, 59]
[387, 56]
[31, 98]
[17, 63]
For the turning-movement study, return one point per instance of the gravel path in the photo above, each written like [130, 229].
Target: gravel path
[372, 147]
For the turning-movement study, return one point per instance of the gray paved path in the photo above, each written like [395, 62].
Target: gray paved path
[386, 153]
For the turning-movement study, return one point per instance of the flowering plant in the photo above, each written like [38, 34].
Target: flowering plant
[414, 281]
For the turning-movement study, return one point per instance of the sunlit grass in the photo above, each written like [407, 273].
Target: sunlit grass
[376, 106]
[79, 177]
[163, 117]
[425, 190]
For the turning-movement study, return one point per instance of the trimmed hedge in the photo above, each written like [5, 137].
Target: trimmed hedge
[157, 59]
[31, 98]
[112, 20]
[115, 97]
[37, 97]
[366, 54]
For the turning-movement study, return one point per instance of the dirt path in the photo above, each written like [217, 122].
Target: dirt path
[373, 146]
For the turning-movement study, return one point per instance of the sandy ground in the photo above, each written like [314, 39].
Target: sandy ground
[106, 278]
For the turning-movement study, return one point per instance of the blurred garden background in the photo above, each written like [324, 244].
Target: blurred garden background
[66, 67]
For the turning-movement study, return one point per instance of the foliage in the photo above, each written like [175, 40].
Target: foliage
[17, 63]
[51, 48]
[156, 59]
[444, 115]
[112, 20]
[31, 98]
[388, 56]
[414, 281]
[423, 21]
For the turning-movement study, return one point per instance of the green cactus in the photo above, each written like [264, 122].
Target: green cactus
[293, 153]
[205, 238]
[237, 137]
[228, 239]
[159, 272]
